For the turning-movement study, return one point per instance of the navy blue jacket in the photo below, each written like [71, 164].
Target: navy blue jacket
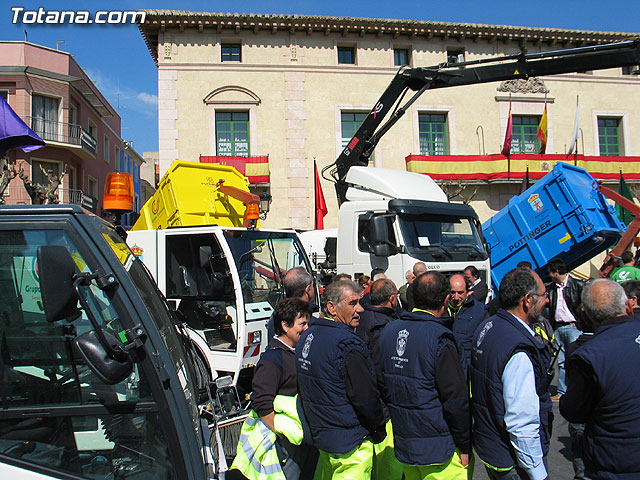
[465, 322]
[409, 348]
[372, 321]
[612, 434]
[495, 342]
[321, 367]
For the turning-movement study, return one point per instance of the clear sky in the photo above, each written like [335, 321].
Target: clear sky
[116, 58]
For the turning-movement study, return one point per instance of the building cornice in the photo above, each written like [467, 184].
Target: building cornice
[161, 20]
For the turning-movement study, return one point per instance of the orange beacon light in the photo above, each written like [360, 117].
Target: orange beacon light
[118, 192]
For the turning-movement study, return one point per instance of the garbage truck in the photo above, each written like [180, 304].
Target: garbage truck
[199, 237]
[393, 219]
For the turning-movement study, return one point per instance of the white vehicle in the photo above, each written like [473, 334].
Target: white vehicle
[320, 246]
[199, 238]
[381, 226]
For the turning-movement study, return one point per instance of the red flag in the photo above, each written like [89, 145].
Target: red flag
[508, 136]
[542, 131]
[321, 205]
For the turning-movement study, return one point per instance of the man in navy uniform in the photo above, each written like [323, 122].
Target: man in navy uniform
[603, 387]
[425, 388]
[337, 383]
[467, 313]
[511, 406]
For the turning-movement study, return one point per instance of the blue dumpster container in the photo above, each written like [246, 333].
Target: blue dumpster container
[562, 215]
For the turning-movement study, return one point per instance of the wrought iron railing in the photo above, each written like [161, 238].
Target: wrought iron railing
[55, 131]
[17, 195]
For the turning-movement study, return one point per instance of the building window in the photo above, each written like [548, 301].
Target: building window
[400, 56]
[455, 55]
[4, 94]
[93, 130]
[106, 151]
[44, 113]
[609, 136]
[117, 157]
[346, 55]
[525, 129]
[93, 187]
[232, 134]
[433, 134]
[350, 123]
[231, 52]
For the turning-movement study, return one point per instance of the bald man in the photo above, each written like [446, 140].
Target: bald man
[467, 314]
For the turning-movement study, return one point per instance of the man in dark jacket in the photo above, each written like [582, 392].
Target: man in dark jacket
[604, 385]
[298, 283]
[564, 302]
[467, 313]
[512, 410]
[425, 388]
[337, 383]
[476, 285]
[377, 314]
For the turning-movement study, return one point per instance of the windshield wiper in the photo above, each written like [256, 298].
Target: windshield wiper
[440, 248]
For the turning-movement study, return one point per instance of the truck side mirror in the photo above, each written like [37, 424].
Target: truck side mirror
[56, 269]
[109, 370]
[58, 272]
[381, 236]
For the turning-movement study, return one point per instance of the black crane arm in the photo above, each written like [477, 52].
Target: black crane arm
[523, 65]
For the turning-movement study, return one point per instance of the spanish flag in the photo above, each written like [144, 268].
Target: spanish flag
[542, 131]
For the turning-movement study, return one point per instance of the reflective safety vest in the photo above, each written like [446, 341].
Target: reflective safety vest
[256, 454]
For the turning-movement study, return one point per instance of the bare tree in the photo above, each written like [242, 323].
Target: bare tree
[7, 173]
[43, 194]
[453, 189]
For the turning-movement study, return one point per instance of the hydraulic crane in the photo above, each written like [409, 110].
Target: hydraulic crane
[521, 66]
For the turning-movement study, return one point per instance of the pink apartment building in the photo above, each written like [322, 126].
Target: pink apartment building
[55, 97]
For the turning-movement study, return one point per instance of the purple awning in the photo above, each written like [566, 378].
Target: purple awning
[14, 133]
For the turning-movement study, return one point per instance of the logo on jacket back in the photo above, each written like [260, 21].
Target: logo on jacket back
[401, 342]
[307, 346]
[483, 332]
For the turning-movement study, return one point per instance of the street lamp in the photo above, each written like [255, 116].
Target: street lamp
[265, 204]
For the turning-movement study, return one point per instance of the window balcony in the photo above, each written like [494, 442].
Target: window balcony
[58, 132]
[255, 168]
[63, 134]
[498, 168]
[16, 194]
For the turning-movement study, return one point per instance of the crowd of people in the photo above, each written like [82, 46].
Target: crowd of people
[408, 383]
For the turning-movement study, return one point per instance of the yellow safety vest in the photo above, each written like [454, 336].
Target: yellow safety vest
[256, 455]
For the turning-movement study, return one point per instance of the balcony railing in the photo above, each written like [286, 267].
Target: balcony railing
[69, 133]
[55, 131]
[17, 195]
[88, 142]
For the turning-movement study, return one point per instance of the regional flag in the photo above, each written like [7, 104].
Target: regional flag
[508, 135]
[542, 131]
[321, 205]
[624, 215]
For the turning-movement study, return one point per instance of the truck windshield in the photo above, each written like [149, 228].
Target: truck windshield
[262, 258]
[434, 237]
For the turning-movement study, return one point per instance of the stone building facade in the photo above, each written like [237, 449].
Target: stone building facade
[294, 89]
